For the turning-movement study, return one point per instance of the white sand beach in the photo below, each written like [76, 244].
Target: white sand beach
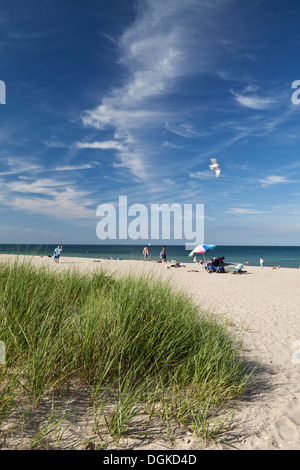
[263, 307]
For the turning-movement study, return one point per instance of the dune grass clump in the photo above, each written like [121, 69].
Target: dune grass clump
[136, 340]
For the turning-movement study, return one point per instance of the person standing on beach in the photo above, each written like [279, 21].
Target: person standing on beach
[261, 262]
[145, 253]
[57, 253]
[164, 254]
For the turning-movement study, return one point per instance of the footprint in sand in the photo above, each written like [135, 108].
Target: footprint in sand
[293, 413]
[287, 430]
[288, 425]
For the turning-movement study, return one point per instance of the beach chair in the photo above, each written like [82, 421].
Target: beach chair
[211, 268]
[215, 266]
[220, 268]
[219, 265]
[237, 269]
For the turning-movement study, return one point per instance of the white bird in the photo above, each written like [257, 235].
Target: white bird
[215, 166]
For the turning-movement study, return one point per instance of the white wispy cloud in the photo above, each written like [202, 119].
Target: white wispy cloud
[86, 166]
[244, 211]
[63, 207]
[105, 145]
[54, 143]
[253, 101]
[167, 42]
[23, 166]
[184, 130]
[48, 196]
[275, 179]
[202, 174]
[18, 165]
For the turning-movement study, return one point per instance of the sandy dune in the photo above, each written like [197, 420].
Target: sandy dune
[263, 305]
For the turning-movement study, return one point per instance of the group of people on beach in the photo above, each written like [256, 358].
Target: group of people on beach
[261, 263]
[163, 254]
[163, 257]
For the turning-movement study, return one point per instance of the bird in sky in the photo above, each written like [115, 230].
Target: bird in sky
[215, 166]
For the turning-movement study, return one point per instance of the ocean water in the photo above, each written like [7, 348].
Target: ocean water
[285, 257]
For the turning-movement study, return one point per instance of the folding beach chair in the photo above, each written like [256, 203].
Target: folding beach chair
[219, 266]
[212, 268]
[238, 269]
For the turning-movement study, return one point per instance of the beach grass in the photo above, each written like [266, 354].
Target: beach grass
[135, 344]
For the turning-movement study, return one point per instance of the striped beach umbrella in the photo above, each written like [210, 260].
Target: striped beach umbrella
[201, 249]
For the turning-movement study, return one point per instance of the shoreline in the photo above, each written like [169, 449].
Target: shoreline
[188, 262]
[262, 305]
[289, 257]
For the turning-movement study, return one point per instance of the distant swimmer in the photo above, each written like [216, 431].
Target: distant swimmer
[214, 166]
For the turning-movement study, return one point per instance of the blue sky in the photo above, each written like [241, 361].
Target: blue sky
[106, 99]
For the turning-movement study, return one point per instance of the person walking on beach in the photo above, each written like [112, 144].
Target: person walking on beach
[163, 254]
[261, 262]
[57, 253]
[145, 253]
